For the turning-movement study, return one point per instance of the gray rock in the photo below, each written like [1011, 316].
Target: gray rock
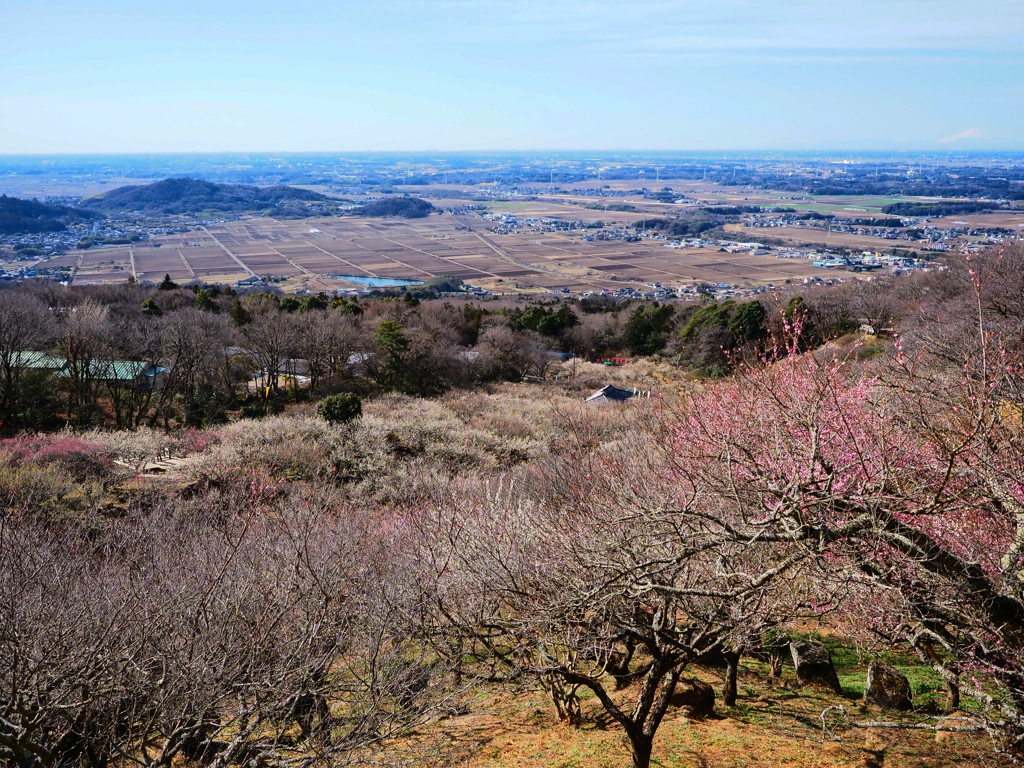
[814, 666]
[887, 687]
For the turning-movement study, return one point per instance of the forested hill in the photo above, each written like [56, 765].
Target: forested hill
[950, 208]
[402, 207]
[195, 195]
[19, 216]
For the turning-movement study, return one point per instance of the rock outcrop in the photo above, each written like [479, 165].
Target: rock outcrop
[887, 687]
[814, 666]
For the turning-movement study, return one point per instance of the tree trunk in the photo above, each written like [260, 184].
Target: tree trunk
[732, 663]
[952, 703]
[642, 747]
[564, 696]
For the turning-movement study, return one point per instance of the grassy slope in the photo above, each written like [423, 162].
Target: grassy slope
[773, 724]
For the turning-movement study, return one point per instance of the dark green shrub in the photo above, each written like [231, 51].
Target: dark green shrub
[252, 411]
[339, 409]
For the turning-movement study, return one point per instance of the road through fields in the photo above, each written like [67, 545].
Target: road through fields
[237, 260]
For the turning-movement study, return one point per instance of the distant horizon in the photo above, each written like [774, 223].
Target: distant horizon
[529, 151]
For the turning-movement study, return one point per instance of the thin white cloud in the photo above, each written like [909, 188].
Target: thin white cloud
[970, 133]
[737, 25]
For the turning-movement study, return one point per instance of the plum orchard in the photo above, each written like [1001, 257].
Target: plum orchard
[894, 497]
[909, 489]
[244, 628]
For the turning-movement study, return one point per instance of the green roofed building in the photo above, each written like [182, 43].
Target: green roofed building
[141, 374]
[38, 361]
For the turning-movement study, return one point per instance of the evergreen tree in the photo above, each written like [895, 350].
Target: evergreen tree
[238, 313]
[205, 301]
[647, 328]
[747, 322]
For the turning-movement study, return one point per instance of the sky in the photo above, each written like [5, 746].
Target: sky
[79, 76]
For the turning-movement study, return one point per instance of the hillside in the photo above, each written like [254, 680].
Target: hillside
[19, 216]
[401, 207]
[175, 196]
[391, 456]
[426, 543]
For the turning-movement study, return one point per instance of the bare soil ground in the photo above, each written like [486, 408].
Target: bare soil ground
[773, 724]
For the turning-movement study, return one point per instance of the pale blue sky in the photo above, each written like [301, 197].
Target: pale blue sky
[347, 75]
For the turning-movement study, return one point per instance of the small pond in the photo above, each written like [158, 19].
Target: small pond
[376, 282]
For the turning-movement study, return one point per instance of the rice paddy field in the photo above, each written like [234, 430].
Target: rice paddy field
[319, 253]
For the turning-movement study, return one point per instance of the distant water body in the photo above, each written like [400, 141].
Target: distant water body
[377, 282]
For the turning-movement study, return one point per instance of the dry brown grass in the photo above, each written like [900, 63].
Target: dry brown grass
[772, 725]
[659, 376]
